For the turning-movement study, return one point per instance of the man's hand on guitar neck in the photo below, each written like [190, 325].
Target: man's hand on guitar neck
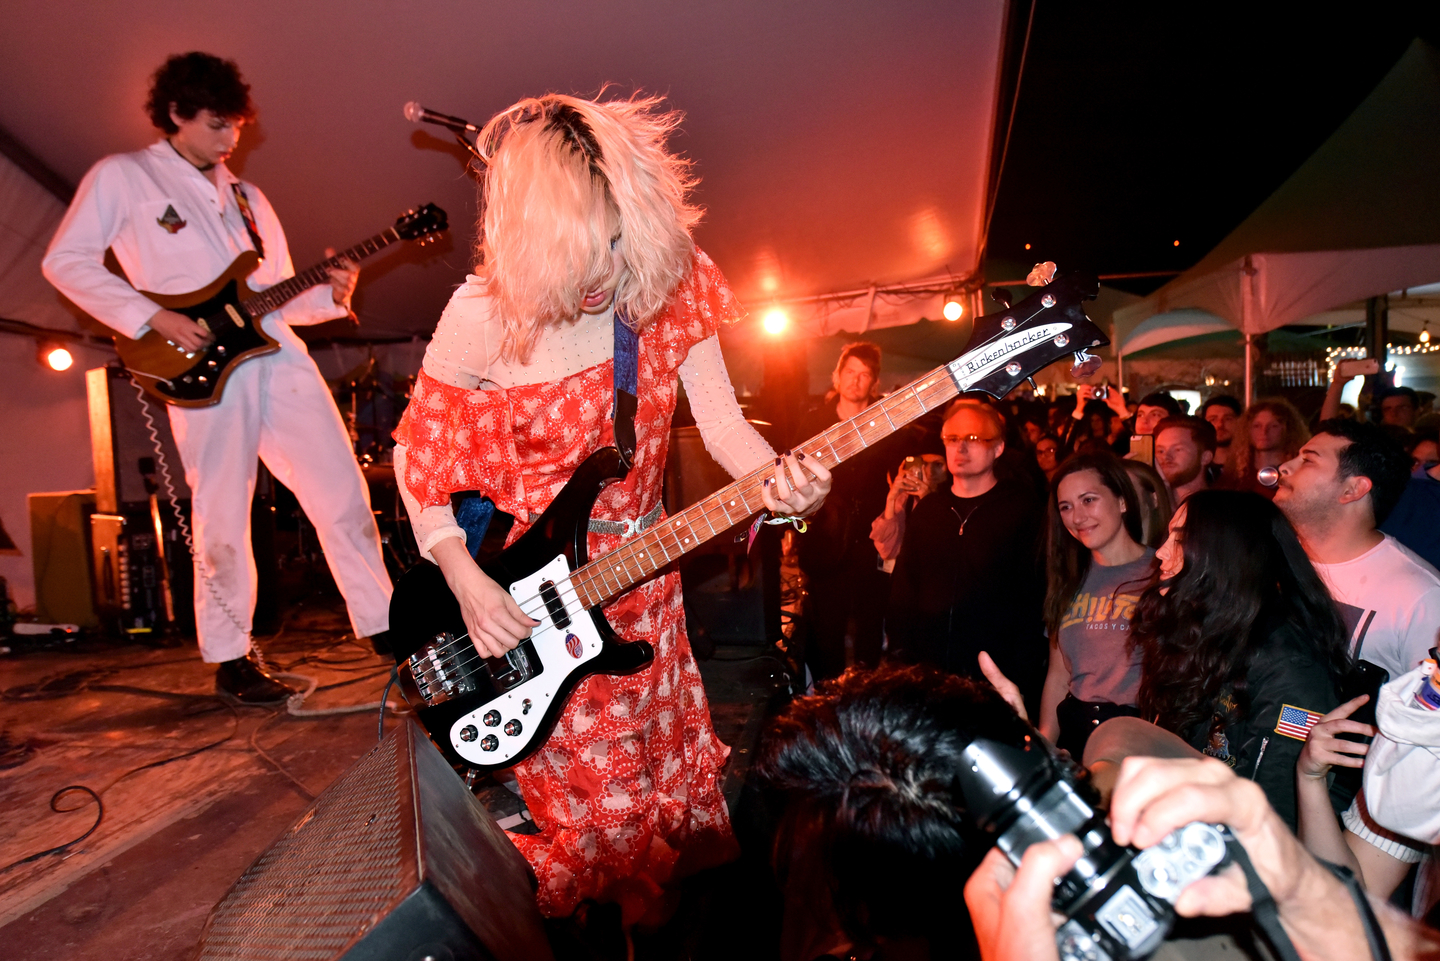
[495, 622]
[343, 279]
[180, 330]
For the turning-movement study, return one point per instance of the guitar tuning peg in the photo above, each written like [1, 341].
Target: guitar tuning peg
[1041, 274]
[1001, 296]
[1086, 364]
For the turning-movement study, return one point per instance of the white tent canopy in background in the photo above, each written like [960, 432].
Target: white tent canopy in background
[1360, 218]
[1172, 326]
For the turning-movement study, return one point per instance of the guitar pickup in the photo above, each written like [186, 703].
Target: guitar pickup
[558, 615]
[235, 315]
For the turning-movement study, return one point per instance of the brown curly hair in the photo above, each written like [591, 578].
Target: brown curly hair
[1242, 455]
[197, 81]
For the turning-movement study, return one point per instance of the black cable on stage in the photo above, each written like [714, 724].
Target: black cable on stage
[255, 746]
[100, 804]
[99, 816]
[384, 695]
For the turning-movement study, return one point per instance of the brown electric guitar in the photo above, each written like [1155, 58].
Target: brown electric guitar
[196, 379]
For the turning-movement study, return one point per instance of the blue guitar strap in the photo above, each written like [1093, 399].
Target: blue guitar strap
[627, 377]
[474, 512]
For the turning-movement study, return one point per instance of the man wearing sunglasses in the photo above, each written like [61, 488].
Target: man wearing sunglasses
[969, 577]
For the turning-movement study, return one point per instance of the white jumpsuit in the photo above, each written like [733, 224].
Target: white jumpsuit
[174, 231]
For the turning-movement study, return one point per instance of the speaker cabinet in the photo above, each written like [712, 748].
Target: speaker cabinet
[60, 549]
[120, 444]
[397, 861]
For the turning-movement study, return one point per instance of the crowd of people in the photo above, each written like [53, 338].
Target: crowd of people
[1128, 576]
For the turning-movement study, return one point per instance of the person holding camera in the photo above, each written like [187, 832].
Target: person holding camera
[1011, 911]
[919, 475]
[1092, 420]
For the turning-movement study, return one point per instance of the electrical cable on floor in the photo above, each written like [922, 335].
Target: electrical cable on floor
[99, 803]
[255, 746]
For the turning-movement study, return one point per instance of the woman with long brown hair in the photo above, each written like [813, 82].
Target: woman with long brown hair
[1097, 565]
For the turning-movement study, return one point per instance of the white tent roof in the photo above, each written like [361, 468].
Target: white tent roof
[838, 145]
[1172, 326]
[1360, 218]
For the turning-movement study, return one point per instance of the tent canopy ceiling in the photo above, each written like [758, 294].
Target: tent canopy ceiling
[839, 145]
[1359, 218]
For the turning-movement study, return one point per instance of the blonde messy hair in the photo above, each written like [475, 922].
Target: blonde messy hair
[565, 176]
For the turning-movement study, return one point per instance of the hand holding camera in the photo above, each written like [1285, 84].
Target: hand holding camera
[1115, 902]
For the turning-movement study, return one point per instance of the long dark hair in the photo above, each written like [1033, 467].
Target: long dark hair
[870, 769]
[1068, 560]
[1243, 568]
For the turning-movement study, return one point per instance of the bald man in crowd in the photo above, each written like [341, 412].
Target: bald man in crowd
[970, 574]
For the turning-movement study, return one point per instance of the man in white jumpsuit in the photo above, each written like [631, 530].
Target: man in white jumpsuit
[176, 218]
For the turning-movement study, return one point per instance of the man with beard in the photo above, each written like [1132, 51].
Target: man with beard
[1184, 451]
[1221, 412]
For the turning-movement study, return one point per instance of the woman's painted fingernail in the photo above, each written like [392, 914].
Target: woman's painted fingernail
[769, 481]
[800, 455]
[777, 461]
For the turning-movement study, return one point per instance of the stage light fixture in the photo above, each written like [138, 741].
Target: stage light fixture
[56, 356]
[954, 307]
[775, 321]
[1425, 333]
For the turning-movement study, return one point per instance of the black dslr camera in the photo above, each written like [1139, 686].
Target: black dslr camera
[1118, 901]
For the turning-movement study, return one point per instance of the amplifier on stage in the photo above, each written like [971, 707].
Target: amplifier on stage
[139, 564]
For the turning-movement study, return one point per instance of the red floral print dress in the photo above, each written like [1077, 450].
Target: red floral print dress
[626, 792]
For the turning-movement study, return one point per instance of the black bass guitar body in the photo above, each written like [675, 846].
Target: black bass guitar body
[491, 713]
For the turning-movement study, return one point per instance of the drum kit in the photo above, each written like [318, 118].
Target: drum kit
[371, 401]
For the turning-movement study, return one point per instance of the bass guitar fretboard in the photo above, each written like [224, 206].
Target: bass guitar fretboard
[639, 558]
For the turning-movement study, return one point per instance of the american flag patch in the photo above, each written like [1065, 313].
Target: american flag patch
[1296, 722]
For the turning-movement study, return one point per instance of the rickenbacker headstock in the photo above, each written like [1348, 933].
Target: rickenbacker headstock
[425, 225]
[1013, 344]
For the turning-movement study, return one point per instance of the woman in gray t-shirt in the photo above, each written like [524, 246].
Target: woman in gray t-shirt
[1096, 570]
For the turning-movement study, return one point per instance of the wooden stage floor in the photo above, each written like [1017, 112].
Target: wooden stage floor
[176, 835]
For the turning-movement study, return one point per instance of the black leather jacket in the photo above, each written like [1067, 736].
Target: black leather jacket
[1247, 732]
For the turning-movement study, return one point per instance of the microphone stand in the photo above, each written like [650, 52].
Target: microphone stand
[470, 147]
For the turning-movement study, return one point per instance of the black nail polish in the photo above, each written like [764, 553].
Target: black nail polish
[800, 455]
[768, 481]
[777, 461]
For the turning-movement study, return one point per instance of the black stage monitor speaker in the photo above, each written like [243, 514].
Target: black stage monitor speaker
[397, 861]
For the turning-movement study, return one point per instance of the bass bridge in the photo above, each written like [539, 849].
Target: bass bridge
[450, 667]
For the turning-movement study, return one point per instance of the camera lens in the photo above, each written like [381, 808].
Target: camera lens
[1118, 900]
